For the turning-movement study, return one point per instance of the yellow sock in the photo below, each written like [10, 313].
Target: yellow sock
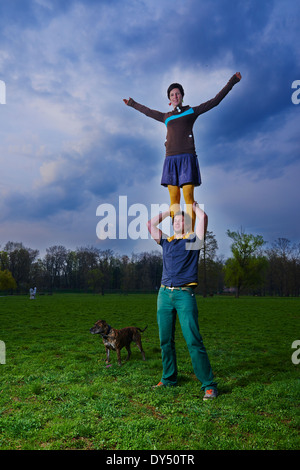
[188, 194]
[174, 192]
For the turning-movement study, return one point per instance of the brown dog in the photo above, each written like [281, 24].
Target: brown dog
[118, 339]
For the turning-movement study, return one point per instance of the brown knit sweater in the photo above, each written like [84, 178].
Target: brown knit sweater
[180, 121]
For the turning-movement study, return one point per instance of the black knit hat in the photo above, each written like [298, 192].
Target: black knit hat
[175, 85]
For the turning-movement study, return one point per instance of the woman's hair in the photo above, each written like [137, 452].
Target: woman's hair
[175, 85]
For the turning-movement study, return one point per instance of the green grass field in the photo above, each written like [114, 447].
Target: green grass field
[57, 393]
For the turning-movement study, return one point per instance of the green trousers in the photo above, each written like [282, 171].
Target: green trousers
[183, 302]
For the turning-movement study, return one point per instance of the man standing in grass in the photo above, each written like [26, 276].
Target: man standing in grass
[176, 295]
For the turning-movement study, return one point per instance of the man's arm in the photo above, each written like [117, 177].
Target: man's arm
[201, 227]
[153, 223]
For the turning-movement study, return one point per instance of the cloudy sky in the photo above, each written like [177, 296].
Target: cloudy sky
[69, 146]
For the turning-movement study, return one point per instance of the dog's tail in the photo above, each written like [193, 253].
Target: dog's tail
[143, 329]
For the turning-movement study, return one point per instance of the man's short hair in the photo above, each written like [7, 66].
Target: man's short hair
[187, 220]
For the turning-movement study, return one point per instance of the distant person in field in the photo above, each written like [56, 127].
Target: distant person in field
[181, 167]
[176, 295]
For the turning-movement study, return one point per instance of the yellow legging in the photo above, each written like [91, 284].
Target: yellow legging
[188, 194]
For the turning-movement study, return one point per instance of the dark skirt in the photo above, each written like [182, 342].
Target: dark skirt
[181, 169]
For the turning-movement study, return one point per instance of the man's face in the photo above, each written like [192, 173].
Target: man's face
[178, 224]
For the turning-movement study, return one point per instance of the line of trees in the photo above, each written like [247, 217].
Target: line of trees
[252, 268]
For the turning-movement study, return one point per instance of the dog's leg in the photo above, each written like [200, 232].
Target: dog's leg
[139, 345]
[138, 342]
[129, 352]
[119, 357]
[107, 355]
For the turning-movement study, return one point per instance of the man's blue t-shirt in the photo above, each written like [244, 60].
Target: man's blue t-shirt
[180, 261]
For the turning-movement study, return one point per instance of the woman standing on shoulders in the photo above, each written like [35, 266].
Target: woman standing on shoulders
[181, 167]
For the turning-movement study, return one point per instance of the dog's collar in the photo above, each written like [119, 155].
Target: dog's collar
[105, 335]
